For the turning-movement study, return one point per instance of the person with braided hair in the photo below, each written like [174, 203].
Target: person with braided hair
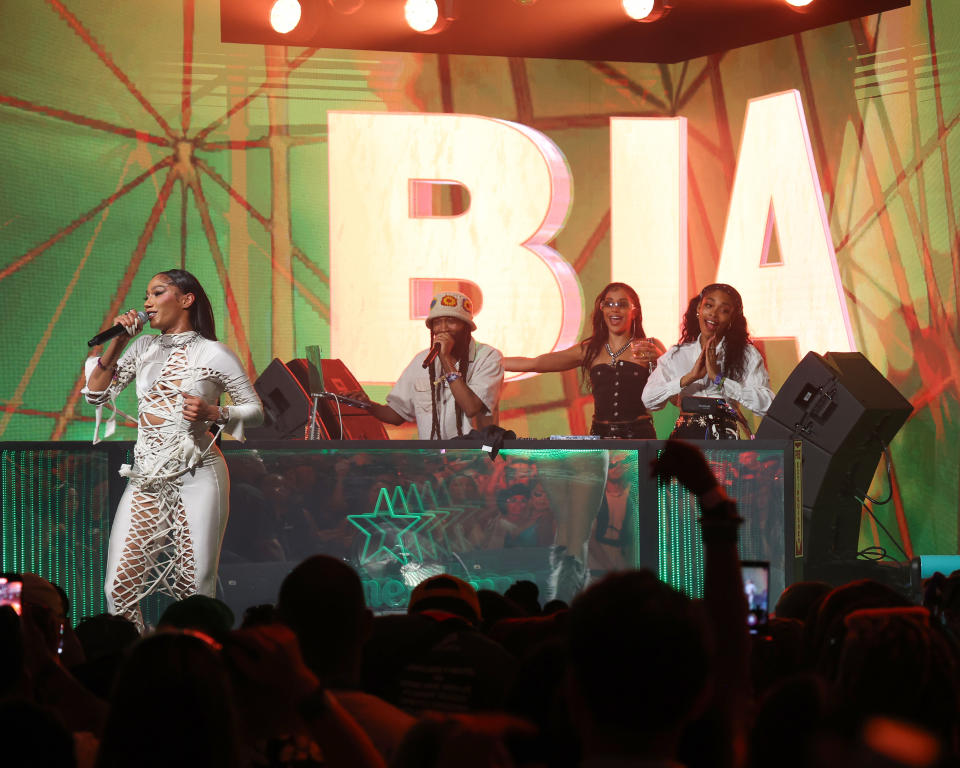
[459, 389]
[715, 358]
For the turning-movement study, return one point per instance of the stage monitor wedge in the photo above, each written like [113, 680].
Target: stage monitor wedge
[286, 405]
[845, 413]
[342, 421]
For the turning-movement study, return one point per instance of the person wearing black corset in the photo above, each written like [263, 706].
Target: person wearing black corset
[616, 360]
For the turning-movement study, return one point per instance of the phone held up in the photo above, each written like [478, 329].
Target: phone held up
[756, 588]
[11, 591]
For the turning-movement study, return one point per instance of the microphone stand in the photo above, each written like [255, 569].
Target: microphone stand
[312, 432]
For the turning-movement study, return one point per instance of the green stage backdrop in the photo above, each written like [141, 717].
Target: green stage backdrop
[95, 99]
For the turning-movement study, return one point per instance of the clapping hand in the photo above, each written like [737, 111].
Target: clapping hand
[698, 371]
[709, 356]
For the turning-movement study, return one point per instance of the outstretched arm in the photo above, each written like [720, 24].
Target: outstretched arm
[723, 595]
[564, 360]
[383, 412]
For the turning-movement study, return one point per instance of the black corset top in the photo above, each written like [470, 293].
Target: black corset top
[617, 390]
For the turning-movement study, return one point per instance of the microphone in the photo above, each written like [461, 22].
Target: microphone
[432, 354]
[108, 334]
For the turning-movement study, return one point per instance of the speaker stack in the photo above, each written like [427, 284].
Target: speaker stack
[845, 413]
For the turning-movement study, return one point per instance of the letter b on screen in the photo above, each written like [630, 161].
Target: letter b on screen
[382, 235]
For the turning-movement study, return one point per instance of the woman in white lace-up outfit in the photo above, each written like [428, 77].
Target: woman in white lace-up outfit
[168, 528]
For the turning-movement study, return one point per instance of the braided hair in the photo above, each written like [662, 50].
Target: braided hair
[736, 337]
[436, 388]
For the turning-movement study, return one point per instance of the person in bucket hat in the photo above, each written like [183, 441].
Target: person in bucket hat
[451, 387]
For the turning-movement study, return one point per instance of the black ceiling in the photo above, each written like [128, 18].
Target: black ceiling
[558, 29]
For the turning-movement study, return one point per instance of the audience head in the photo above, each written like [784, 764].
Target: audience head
[205, 614]
[799, 598]
[448, 594]
[639, 657]
[526, 594]
[554, 606]
[495, 607]
[105, 635]
[895, 664]
[258, 615]
[826, 629]
[47, 605]
[322, 601]
[171, 705]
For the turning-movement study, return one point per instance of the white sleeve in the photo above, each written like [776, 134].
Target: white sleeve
[664, 382]
[123, 373]
[401, 396]
[485, 377]
[754, 391]
[246, 408]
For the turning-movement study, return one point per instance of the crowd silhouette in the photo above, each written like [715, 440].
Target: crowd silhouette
[631, 673]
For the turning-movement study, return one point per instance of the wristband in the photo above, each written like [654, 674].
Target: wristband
[452, 376]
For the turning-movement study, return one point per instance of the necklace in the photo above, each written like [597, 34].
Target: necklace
[615, 355]
[170, 340]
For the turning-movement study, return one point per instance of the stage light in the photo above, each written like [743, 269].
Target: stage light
[285, 15]
[428, 16]
[798, 3]
[646, 11]
[421, 15]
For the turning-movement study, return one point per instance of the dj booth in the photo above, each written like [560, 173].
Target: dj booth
[399, 511]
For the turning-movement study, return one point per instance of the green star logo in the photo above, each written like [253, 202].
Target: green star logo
[425, 503]
[389, 527]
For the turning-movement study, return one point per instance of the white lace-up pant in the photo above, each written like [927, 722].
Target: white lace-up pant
[166, 537]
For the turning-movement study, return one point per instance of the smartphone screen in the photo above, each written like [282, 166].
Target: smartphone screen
[756, 588]
[11, 591]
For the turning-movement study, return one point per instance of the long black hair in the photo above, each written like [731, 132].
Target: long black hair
[592, 345]
[736, 337]
[201, 312]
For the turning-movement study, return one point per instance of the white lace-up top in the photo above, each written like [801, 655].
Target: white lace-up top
[166, 367]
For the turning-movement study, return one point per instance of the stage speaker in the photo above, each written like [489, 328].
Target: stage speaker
[286, 406]
[342, 421]
[845, 413]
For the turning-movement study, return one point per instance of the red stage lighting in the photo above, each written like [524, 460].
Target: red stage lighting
[428, 16]
[646, 11]
[285, 16]
[346, 7]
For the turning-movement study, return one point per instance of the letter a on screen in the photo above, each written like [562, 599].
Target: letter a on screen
[776, 190]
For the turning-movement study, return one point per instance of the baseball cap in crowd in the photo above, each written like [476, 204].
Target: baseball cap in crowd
[39, 591]
[446, 593]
